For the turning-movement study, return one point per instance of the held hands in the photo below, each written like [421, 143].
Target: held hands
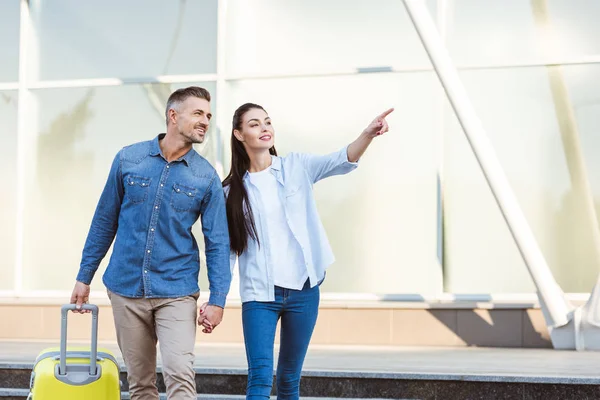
[378, 126]
[209, 317]
[80, 296]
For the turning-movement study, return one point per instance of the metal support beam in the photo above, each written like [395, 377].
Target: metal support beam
[557, 310]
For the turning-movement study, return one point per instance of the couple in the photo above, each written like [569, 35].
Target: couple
[263, 213]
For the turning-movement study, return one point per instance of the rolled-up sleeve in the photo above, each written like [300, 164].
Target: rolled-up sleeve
[322, 166]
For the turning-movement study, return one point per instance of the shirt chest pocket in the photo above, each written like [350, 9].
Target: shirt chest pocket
[295, 187]
[294, 198]
[183, 197]
[292, 191]
[136, 188]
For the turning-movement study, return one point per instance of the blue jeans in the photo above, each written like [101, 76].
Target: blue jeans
[298, 310]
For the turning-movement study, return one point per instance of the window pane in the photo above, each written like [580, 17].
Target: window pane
[79, 132]
[269, 36]
[520, 109]
[514, 31]
[124, 38]
[9, 40]
[380, 219]
[8, 189]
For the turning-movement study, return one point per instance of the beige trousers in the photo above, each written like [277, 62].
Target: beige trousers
[140, 323]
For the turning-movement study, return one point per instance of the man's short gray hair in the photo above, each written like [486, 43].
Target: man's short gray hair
[180, 95]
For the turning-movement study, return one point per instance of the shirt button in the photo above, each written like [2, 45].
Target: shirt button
[152, 229]
[167, 166]
[145, 271]
[148, 251]
[156, 207]
[178, 190]
[161, 185]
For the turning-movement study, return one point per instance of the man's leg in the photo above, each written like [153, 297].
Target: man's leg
[176, 331]
[259, 320]
[137, 340]
[297, 324]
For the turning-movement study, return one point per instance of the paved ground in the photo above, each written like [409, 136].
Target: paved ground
[525, 365]
[479, 364]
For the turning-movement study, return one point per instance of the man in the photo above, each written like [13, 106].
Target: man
[155, 192]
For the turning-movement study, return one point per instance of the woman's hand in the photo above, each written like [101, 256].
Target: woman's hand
[379, 125]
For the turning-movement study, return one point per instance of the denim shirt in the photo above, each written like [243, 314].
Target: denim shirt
[296, 174]
[150, 205]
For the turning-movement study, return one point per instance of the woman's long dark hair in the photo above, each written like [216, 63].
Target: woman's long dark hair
[239, 214]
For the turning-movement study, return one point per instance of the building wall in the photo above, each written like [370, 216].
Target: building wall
[371, 324]
[79, 80]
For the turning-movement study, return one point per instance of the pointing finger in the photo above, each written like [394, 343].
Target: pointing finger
[386, 113]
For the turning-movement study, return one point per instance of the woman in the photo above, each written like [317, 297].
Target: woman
[275, 230]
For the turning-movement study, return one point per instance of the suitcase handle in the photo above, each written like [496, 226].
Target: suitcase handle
[62, 369]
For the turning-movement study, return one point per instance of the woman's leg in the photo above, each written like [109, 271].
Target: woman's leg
[259, 320]
[300, 311]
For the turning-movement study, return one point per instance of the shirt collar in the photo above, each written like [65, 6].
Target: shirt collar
[154, 147]
[275, 169]
[275, 163]
[156, 151]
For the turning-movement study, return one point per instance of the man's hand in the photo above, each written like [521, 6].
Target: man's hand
[379, 125]
[210, 317]
[80, 296]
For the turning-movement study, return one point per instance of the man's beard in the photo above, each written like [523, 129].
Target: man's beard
[197, 139]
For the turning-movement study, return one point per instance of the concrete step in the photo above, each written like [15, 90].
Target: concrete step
[425, 373]
[21, 394]
[231, 384]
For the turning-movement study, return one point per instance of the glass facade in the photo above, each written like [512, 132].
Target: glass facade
[9, 41]
[417, 217]
[8, 190]
[122, 39]
[271, 37]
[521, 32]
[541, 123]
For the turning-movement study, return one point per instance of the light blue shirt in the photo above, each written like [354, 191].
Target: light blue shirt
[296, 173]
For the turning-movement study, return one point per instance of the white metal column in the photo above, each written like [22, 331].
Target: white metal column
[23, 132]
[557, 310]
[223, 120]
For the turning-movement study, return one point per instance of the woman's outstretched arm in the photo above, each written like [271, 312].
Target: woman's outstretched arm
[376, 128]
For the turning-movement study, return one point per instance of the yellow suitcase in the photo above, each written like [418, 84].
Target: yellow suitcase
[77, 372]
